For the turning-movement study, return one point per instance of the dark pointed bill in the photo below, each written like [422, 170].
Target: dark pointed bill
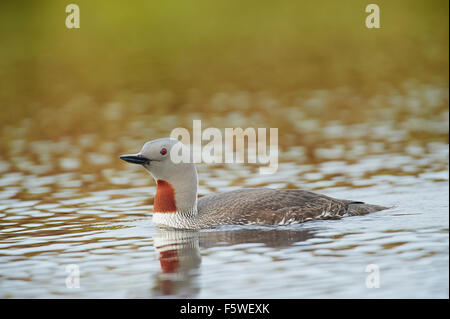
[135, 159]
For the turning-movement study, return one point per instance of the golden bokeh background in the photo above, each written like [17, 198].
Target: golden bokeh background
[144, 59]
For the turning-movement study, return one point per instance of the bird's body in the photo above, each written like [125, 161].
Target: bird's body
[264, 206]
[176, 204]
[276, 207]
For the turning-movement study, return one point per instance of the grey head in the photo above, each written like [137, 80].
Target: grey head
[155, 157]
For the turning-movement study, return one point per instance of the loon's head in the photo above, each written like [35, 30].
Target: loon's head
[176, 179]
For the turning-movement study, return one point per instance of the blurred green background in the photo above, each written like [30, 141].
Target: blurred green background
[174, 57]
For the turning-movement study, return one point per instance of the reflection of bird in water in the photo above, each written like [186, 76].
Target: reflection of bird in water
[176, 204]
[270, 237]
[180, 258]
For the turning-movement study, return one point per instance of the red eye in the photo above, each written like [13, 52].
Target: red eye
[163, 151]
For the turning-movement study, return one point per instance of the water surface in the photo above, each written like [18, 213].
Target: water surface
[70, 200]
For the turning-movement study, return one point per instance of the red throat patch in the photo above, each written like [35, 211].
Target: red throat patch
[165, 198]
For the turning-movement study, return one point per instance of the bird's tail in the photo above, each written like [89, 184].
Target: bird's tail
[361, 208]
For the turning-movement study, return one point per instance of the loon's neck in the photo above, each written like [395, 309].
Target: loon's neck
[175, 203]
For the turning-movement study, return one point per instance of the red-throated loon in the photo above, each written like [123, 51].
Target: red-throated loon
[176, 204]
